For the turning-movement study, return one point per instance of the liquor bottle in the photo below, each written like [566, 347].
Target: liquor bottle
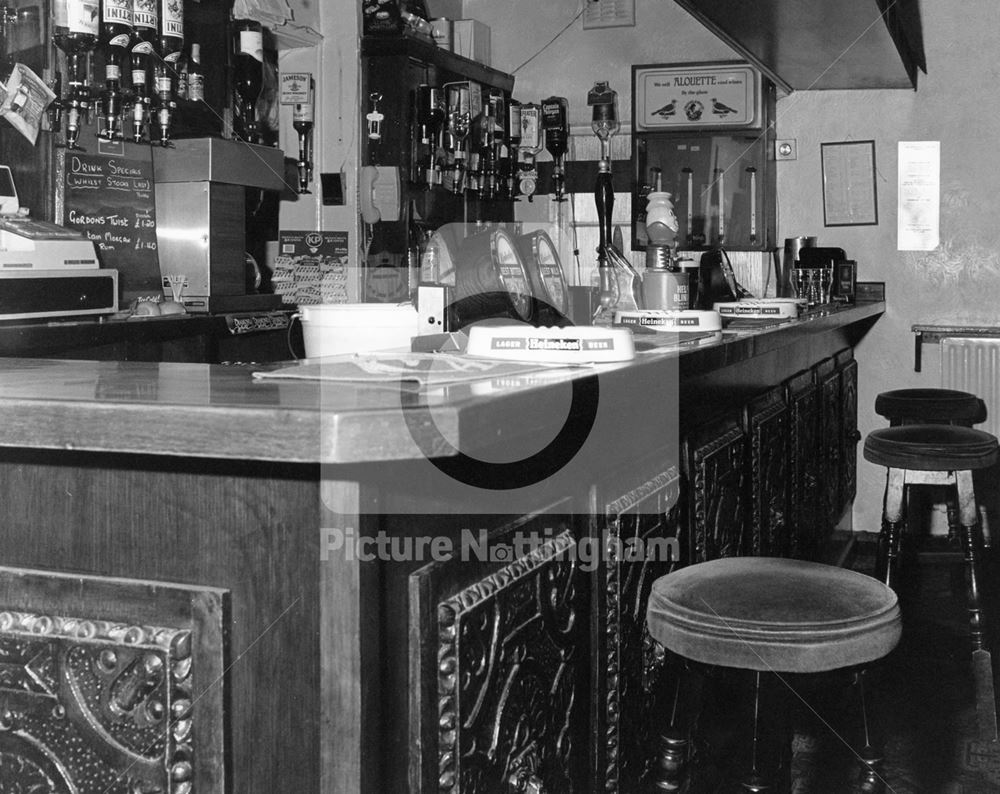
[115, 35]
[195, 76]
[302, 122]
[170, 45]
[248, 76]
[145, 30]
[75, 32]
[555, 123]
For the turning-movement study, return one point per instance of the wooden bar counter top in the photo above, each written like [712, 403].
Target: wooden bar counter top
[177, 538]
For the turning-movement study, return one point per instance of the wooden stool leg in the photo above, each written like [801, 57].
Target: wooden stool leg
[893, 522]
[982, 660]
[870, 753]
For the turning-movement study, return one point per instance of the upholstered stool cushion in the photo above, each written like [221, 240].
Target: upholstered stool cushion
[765, 613]
[930, 405]
[931, 448]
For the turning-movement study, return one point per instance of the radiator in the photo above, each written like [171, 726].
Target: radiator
[973, 365]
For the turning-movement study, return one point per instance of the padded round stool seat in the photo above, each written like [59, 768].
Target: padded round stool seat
[761, 613]
[931, 448]
[944, 406]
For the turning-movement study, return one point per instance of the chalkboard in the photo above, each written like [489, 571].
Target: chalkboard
[109, 197]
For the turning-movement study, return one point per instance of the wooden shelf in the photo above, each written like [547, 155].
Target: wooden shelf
[425, 52]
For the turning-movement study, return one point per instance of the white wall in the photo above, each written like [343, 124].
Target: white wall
[960, 280]
[333, 59]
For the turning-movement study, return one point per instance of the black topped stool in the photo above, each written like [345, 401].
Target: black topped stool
[939, 407]
[777, 616]
[930, 406]
[941, 455]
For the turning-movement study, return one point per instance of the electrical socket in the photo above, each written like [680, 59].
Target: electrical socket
[785, 149]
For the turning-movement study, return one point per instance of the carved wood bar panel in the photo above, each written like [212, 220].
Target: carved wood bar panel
[848, 369]
[808, 516]
[766, 423]
[639, 529]
[110, 686]
[503, 667]
[831, 442]
[715, 460]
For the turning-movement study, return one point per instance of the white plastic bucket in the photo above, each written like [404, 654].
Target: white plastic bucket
[330, 329]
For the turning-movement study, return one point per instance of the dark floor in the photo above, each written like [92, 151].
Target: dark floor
[922, 694]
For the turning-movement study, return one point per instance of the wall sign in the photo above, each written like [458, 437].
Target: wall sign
[850, 197]
[696, 96]
[109, 197]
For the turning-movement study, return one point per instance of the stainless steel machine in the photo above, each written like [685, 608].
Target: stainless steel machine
[201, 220]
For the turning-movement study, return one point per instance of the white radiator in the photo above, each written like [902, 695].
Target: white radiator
[973, 365]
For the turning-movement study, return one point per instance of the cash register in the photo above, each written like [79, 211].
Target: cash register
[47, 270]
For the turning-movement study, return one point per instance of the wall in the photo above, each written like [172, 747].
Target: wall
[522, 33]
[323, 39]
[960, 280]
[953, 104]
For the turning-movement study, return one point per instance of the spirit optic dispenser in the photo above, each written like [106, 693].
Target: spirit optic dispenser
[145, 20]
[302, 122]
[170, 46]
[555, 112]
[116, 33]
[75, 34]
[248, 77]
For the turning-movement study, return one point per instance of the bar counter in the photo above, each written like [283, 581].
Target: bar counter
[131, 487]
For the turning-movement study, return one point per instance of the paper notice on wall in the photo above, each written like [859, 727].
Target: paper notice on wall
[918, 211]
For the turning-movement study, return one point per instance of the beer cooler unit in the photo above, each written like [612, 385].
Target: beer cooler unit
[707, 131]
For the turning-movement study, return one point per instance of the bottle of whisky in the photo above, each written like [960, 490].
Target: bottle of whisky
[248, 77]
[195, 76]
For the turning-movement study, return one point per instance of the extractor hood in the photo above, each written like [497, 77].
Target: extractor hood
[821, 44]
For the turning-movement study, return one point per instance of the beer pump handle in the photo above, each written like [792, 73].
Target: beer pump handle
[604, 197]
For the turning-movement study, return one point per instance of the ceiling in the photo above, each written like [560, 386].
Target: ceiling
[822, 44]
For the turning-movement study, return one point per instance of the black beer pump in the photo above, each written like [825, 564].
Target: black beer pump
[604, 124]
[619, 282]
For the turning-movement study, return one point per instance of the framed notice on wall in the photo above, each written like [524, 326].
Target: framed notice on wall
[849, 193]
[696, 96]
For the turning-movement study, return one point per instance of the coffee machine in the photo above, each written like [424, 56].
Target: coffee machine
[201, 221]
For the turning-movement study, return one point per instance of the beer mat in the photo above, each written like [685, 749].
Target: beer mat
[391, 368]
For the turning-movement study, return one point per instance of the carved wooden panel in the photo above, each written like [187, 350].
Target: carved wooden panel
[831, 442]
[99, 696]
[640, 530]
[766, 423]
[715, 461]
[849, 438]
[808, 516]
[503, 668]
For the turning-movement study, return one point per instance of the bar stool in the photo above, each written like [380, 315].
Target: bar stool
[772, 615]
[942, 455]
[930, 406]
[939, 407]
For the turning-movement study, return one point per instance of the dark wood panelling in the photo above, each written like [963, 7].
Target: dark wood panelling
[633, 525]
[808, 517]
[248, 529]
[715, 461]
[766, 424]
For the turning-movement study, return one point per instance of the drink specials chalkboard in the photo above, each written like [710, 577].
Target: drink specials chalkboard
[109, 197]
